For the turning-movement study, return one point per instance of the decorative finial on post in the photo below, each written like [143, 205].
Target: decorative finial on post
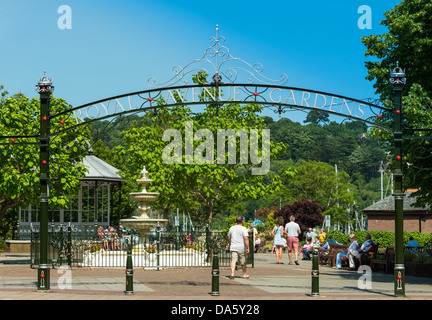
[45, 84]
[397, 77]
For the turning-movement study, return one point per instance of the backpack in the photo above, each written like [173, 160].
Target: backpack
[373, 247]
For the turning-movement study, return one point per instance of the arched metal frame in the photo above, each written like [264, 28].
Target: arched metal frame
[251, 93]
[147, 100]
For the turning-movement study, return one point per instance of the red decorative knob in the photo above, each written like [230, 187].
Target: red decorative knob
[44, 162]
[398, 158]
[12, 140]
[42, 276]
[44, 118]
[399, 277]
[150, 99]
[397, 111]
[61, 121]
[379, 116]
[255, 94]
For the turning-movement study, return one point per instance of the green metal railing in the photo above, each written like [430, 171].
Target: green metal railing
[81, 247]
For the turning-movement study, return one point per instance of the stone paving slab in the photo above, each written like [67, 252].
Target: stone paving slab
[268, 281]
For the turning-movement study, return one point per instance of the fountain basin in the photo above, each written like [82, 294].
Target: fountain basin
[144, 197]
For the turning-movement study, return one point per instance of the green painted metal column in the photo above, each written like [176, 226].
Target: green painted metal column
[129, 270]
[315, 274]
[215, 272]
[398, 80]
[44, 88]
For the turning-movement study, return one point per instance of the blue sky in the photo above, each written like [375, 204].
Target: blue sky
[115, 46]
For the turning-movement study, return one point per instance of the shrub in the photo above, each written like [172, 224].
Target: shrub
[383, 238]
[339, 237]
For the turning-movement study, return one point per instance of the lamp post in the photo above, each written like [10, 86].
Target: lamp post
[398, 80]
[44, 88]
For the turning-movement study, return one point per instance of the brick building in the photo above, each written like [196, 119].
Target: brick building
[381, 215]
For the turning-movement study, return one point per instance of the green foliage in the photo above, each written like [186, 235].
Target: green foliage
[408, 40]
[417, 257]
[231, 221]
[338, 236]
[203, 189]
[317, 116]
[19, 171]
[307, 214]
[409, 43]
[383, 238]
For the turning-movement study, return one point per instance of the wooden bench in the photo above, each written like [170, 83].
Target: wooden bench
[262, 248]
[328, 256]
[414, 249]
[366, 257]
[387, 260]
[325, 256]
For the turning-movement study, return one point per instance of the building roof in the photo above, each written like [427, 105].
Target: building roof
[388, 205]
[100, 170]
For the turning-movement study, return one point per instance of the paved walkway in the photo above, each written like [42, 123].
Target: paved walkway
[268, 281]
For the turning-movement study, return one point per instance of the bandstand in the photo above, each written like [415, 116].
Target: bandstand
[99, 191]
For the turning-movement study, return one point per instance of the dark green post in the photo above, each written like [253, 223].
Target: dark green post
[398, 80]
[60, 249]
[215, 273]
[158, 243]
[44, 88]
[69, 245]
[251, 254]
[315, 274]
[129, 270]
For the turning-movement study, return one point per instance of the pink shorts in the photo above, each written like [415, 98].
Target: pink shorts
[292, 243]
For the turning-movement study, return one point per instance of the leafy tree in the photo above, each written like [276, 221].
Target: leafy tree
[308, 214]
[318, 181]
[316, 116]
[409, 43]
[263, 213]
[19, 171]
[408, 40]
[208, 187]
[110, 132]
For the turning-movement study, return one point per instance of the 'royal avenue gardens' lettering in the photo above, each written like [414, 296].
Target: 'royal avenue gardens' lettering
[193, 95]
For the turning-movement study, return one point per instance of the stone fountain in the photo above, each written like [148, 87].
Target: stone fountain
[144, 223]
[163, 257]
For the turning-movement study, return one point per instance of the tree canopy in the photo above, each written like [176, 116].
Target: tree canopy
[408, 43]
[19, 174]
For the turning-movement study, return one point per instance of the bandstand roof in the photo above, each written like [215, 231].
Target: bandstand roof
[100, 170]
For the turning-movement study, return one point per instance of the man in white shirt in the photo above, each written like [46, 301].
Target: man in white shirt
[292, 230]
[238, 240]
[355, 251]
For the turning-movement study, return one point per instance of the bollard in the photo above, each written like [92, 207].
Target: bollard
[315, 274]
[69, 245]
[129, 271]
[215, 273]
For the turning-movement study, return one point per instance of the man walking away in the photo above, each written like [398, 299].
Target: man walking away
[292, 230]
[238, 240]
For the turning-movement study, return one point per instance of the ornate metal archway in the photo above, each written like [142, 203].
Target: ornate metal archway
[226, 69]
